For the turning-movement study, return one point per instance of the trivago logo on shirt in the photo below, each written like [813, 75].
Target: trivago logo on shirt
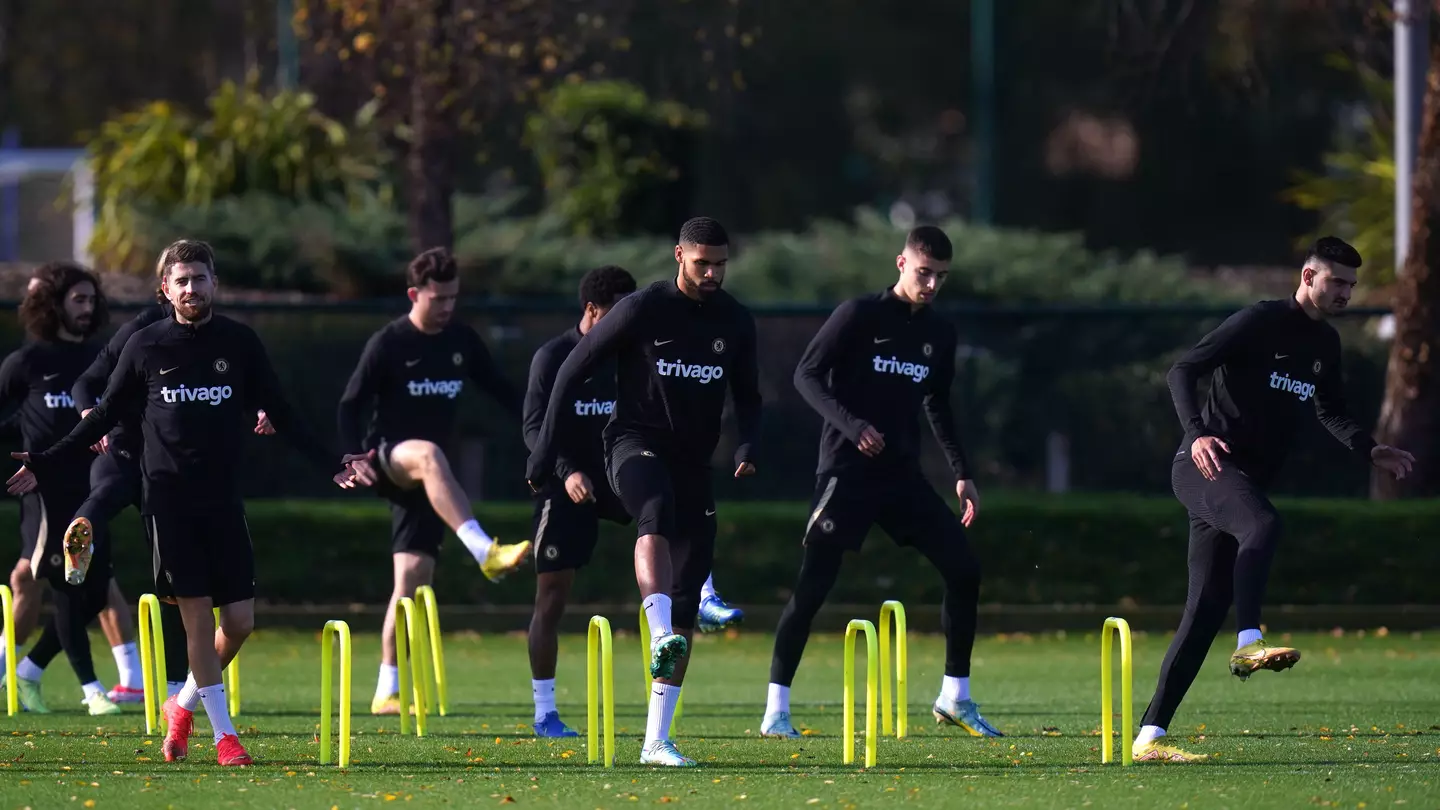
[1303, 390]
[213, 395]
[694, 371]
[436, 388]
[60, 400]
[594, 407]
[890, 365]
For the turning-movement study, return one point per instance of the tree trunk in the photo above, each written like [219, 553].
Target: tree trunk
[1410, 415]
[429, 165]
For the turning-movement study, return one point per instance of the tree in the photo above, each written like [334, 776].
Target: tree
[1410, 414]
[446, 69]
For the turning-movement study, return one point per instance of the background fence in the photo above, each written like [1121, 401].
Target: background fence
[1047, 398]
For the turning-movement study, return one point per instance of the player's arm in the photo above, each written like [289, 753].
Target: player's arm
[544, 367]
[603, 341]
[745, 391]
[941, 415]
[14, 386]
[826, 350]
[359, 392]
[89, 387]
[486, 374]
[1333, 411]
[263, 391]
[1209, 354]
[125, 394]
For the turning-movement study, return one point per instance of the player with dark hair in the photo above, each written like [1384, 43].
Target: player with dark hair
[409, 378]
[1268, 364]
[675, 345]
[114, 485]
[191, 380]
[879, 360]
[61, 312]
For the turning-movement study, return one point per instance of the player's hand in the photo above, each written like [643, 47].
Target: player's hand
[969, 497]
[1205, 452]
[101, 447]
[1393, 460]
[23, 480]
[359, 471]
[577, 486]
[871, 441]
[262, 425]
[745, 468]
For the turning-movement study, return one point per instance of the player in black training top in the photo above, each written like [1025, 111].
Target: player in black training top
[676, 345]
[61, 313]
[408, 384]
[114, 485]
[192, 381]
[876, 363]
[1269, 364]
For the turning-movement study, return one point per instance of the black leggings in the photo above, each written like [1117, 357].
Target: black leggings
[75, 607]
[1234, 530]
[951, 556]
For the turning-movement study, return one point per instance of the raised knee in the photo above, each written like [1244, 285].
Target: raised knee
[238, 628]
[430, 459]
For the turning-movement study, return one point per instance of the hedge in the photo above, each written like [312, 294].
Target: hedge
[1035, 549]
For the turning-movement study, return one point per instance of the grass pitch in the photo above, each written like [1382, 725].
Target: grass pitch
[1355, 724]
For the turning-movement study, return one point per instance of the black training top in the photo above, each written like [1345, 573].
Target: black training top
[194, 390]
[674, 357]
[415, 380]
[90, 387]
[877, 361]
[579, 446]
[37, 378]
[1268, 360]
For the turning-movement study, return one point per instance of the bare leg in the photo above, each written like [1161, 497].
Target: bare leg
[652, 565]
[115, 619]
[552, 590]
[411, 571]
[27, 593]
[203, 641]
[237, 622]
[416, 462]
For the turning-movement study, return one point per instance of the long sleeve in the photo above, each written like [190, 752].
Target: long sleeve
[745, 390]
[599, 344]
[125, 394]
[1332, 410]
[359, 392]
[1209, 354]
[824, 351]
[543, 369]
[89, 387]
[14, 385]
[486, 374]
[263, 388]
[941, 416]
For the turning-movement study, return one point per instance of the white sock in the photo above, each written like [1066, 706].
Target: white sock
[389, 681]
[92, 688]
[475, 539]
[217, 710]
[657, 615]
[127, 660]
[544, 692]
[952, 688]
[1147, 735]
[1248, 637]
[27, 671]
[172, 688]
[778, 700]
[189, 695]
[663, 697]
[708, 589]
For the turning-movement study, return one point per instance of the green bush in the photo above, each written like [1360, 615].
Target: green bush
[156, 159]
[1035, 550]
[611, 158]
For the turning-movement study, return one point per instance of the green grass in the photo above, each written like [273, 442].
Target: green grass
[1351, 726]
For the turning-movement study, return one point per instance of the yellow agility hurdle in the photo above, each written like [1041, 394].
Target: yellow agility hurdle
[412, 659]
[436, 693]
[872, 667]
[893, 610]
[1107, 707]
[152, 661]
[12, 692]
[600, 677]
[333, 629]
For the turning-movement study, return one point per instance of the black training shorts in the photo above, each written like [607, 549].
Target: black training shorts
[203, 552]
[45, 514]
[675, 501]
[415, 526]
[566, 532]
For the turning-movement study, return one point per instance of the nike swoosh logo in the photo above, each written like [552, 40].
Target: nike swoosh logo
[52, 376]
[1281, 356]
[663, 342]
[167, 370]
[411, 363]
[882, 340]
[709, 512]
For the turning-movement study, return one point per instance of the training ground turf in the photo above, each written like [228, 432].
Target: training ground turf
[1355, 724]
